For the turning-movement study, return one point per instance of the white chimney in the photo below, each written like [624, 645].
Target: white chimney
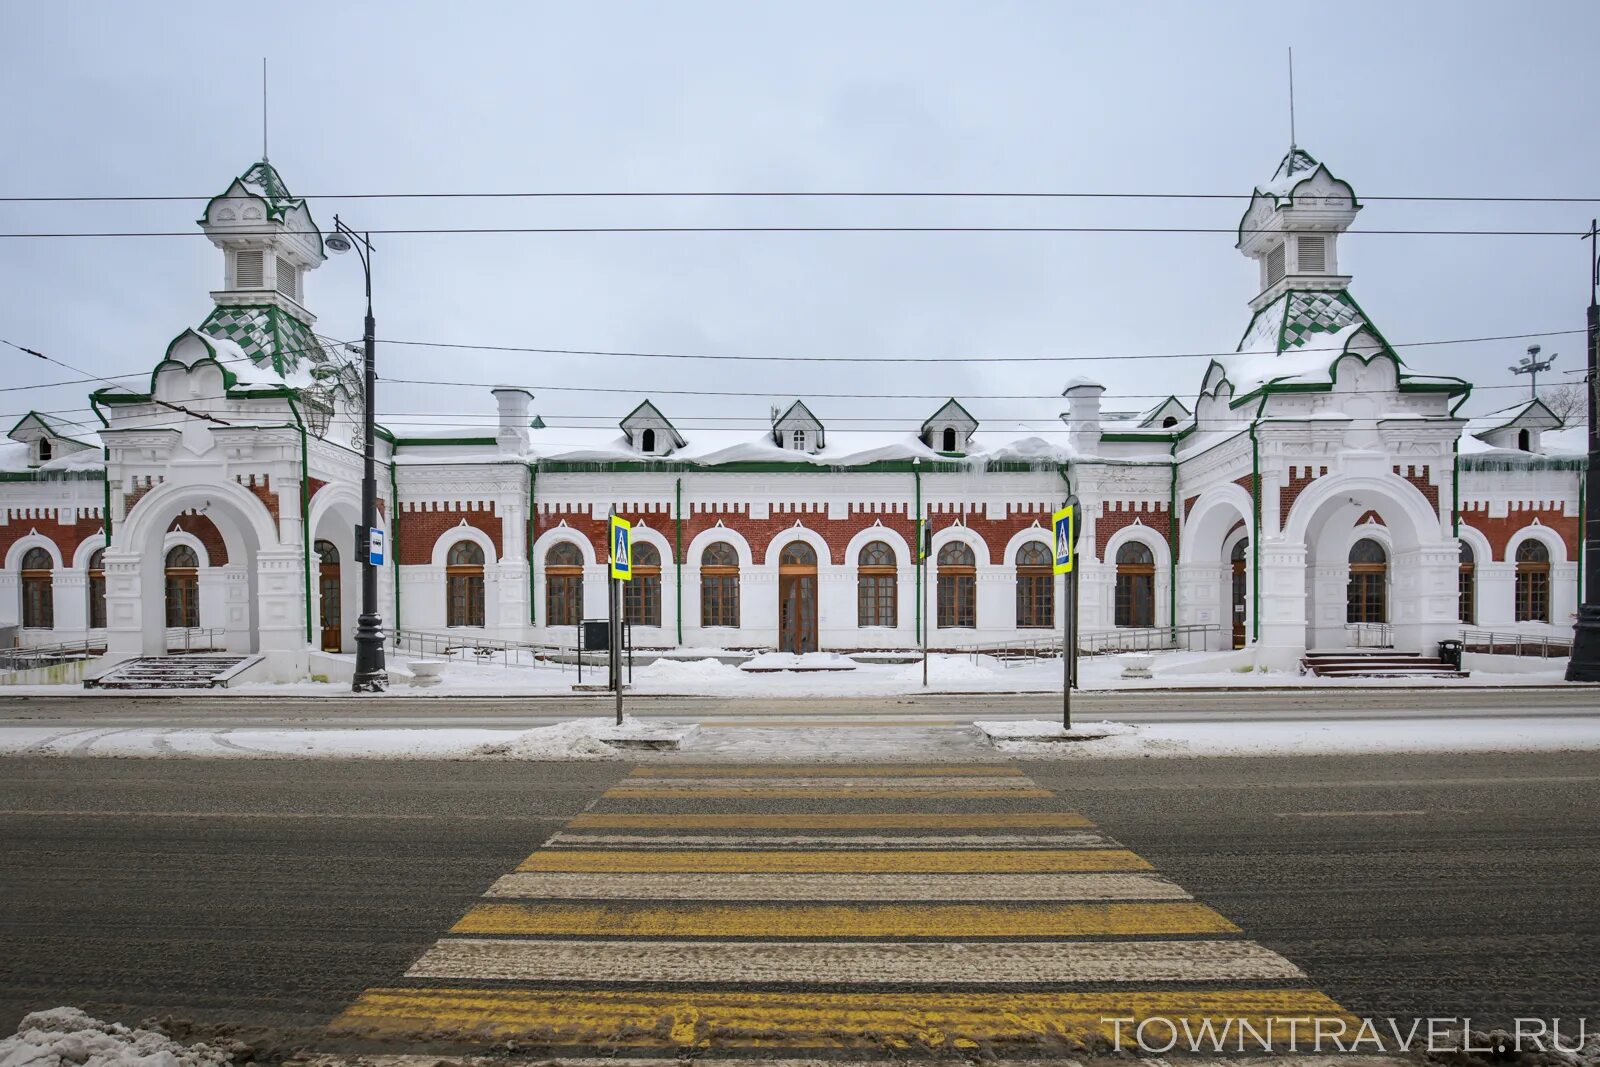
[514, 419]
[1083, 415]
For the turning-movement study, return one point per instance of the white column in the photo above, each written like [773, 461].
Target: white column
[1423, 596]
[71, 604]
[133, 628]
[1283, 604]
[1201, 601]
[235, 617]
[1328, 606]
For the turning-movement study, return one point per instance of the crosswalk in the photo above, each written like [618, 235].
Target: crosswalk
[794, 909]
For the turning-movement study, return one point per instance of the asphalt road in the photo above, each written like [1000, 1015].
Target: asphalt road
[400, 709]
[267, 895]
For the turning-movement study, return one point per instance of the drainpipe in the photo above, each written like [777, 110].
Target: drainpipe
[1172, 560]
[916, 551]
[394, 533]
[677, 552]
[1455, 488]
[1255, 533]
[533, 530]
[305, 508]
[105, 473]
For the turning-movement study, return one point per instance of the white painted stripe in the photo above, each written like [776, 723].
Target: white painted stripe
[1067, 839]
[757, 785]
[565, 885]
[854, 962]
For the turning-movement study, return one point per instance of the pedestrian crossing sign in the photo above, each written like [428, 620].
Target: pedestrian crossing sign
[1065, 522]
[621, 549]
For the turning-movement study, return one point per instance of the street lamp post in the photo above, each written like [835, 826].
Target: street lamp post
[370, 676]
[1584, 666]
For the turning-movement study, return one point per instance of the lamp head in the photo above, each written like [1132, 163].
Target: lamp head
[336, 242]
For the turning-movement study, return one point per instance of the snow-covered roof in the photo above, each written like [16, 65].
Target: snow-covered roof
[1296, 166]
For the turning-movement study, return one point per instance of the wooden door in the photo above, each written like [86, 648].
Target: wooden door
[797, 613]
[332, 619]
[1238, 603]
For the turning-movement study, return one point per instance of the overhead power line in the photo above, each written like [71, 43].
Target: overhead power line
[174, 407]
[787, 194]
[556, 230]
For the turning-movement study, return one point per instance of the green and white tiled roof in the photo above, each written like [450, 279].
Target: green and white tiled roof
[268, 335]
[263, 180]
[1296, 317]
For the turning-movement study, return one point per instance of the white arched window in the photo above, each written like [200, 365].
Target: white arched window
[1533, 582]
[563, 584]
[463, 576]
[38, 590]
[1136, 585]
[877, 586]
[957, 587]
[719, 585]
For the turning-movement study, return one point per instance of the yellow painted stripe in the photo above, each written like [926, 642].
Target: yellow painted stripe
[868, 1019]
[851, 770]
[907, 861]
[814, 792]
[682, 919]
[1020, 820]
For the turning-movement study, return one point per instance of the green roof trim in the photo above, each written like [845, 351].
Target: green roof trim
[274, 196]
[678, 439]
[1296, 161]
[48, 428]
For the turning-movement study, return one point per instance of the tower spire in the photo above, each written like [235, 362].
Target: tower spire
[1291, 99]
[263, 109]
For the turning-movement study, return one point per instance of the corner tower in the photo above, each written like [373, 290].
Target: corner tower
[269, 242]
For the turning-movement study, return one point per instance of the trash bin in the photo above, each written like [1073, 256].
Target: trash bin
[1450, 652]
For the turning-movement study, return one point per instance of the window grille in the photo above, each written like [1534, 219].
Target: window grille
[249, 268]
[1313, 253]
[1275, 265]
[288, 280]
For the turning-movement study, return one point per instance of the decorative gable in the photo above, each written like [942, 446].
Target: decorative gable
[650, 432]
[798, 430]
[45, 440]
[949, 429]
[1517, 428]
[1165, 415]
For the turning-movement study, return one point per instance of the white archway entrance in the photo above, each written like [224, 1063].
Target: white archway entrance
[1213, 587]
[261, 599]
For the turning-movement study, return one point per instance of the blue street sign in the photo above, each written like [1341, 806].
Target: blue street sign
[621, 549]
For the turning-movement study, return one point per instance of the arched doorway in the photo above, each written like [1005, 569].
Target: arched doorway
[1136, 585]
[183, 588]
[1367, 599]
[1467, 586]
[1240, 591]
[877, 584]
[957, 587]
[328, 596]
[97, 589]
[563, 585]
[1533, 582]
[464, 585]
[38, 590]
[797, 598]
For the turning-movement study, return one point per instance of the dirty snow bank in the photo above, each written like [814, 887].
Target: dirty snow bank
[62, 1036]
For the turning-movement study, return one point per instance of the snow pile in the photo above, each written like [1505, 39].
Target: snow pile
[805, 661]
[951, 670]
[1048, 729]
[62, 1036]
[579, 739]
[695, 672]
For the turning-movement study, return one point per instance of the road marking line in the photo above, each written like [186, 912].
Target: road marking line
[1068, 839]
[859, 770]
[940, 920]
[860, 781]
[815, 887]
[833, 793]
[828, 821]
[1348, 814]
[910, 861]
[810, 1019]
[842, 962]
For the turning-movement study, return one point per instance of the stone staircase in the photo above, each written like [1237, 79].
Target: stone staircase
[1377, 663]
[195, 670]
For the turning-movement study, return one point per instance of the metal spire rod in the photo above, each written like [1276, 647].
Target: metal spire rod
[1291, 99]
[263, 109]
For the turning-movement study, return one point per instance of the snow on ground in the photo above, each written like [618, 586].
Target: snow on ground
[1300, 738]
[62, 1036]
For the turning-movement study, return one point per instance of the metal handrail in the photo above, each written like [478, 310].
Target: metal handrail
[473, 648]
[1369, 634]
[29, 657]
[1516, 644]
[1017, 653]
[194, 638]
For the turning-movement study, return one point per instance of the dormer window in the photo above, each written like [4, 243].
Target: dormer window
[1275, 268]
[797, 440]
[1169, 422]
[249, 269]
[949, 439]
[45, 451]
[1312, 253]
[647, 441]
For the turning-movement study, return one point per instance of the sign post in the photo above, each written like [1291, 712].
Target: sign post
[923, 537]
[620, 540]
[1065, 524]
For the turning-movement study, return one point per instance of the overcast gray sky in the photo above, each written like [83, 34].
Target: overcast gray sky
[1397, 98]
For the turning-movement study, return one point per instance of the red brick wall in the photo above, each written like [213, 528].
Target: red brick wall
[66, 536]
[1117, 515]
[1500, 531]
[261, 486]
[1299, 478]
[422, 527]
[206, 530]
[313, 484]
[1188, 505]
[1371, 516]
[1418, 476]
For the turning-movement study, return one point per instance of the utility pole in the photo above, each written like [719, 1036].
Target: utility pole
[1584, 666]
